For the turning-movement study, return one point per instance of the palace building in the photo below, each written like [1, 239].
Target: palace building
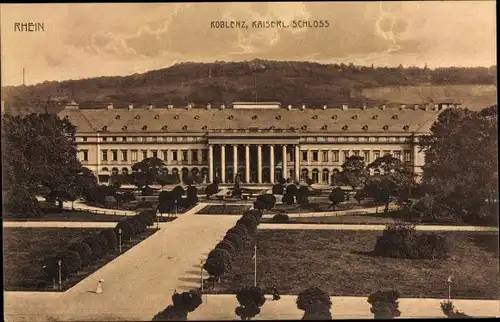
[262, 142]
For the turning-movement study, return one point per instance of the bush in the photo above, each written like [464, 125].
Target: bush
[384, 304]
[288, 199]
[187, 301]
[240, 230]
[235, 239]
[400, 240]
[171, 313]
[178, 192]
[135, 224]
[127, 231]
[222, 254]
[268, 200]
[278, 189]
[71, 263]
[226, 245]
[249, 222]
[109, 238]
[314, 302]
[251, 299]
[147, 191]
[84, 251]
[449, 310]
[215, 266]
[211, 189]
[280, 218]
[94, 245]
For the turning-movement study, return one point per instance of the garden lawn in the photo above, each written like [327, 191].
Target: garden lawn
[25, 249]
[223, 210]
[319, 205]
[339, 262]
[71, 216]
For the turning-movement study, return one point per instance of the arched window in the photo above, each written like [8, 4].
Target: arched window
[105, 169]
[326, 176]
[315, 175]
[114, 171]
[125, 171]
[305, 174]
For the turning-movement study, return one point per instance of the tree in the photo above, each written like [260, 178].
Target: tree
[449, 310]
[71, 263]
[278, 189]
[251, 299]
[359, 196]
[118, 180]
[265, 202]
[39, 155]
[384, 304]
[166, 202]
[288, 199]
[336, 196]
[178, 192]
[83, 251]
[315, 303]
[459, 172]
[147, 172]
[211, 189]
[380, 190]
[354, 171]
[302, 195]
[192, 195]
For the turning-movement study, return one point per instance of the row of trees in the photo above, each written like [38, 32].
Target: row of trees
[183, 303]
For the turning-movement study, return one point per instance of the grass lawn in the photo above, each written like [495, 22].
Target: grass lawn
[223, 210]
[319, 205]
[347, 219]
[71, 216]
[337, 261]
[25, 249]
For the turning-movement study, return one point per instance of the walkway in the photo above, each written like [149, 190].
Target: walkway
[359, 211]
[138, 284]
[78, 205]
[374, 227]
[221, 307]
[59, 224]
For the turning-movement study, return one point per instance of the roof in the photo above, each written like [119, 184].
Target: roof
[198, 120]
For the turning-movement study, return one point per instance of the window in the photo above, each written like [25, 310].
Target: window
[114, 155]
[144, 155]
[366, 155]
[346, 155]
[194, 156]
[104, 155]
[304, 155]
[387, 152]
[84, 139]
[204, 155]
[124, 155]
[85, 155]
[155, 154]
[104, 139]
[407, 156]
[165, 155]
[397, 154]
[376, 155]
[139, 139]
[124, 139]
[324, 156]
[335, 156]
[315, 156]
[133, 155]
[356, 153]
[114, 138]
[149, 139]
[174, 156]
[184, 155]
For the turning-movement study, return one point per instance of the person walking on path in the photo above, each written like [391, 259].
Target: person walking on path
[99, 287]
[276, 294]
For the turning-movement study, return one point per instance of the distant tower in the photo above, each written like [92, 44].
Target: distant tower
[23, 77]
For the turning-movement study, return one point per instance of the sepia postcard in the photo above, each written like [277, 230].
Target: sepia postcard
[249, 161]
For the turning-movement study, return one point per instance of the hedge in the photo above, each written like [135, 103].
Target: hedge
[280, 218]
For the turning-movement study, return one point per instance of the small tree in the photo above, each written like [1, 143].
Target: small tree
[288, 199]
[450, 311]
[71, 263]
[84, 251]
[192, 195]
[292, 190]
[171, 313]
[278, 189]
[251, 299]
[354, 171]
[178, 192]
[359, 196]
[268, 201]
[215, 267]
[127, 231]
[166, 202]
[336, 196]
[302, 195]
[235, 239]
[94, 245]
[226, 245]
[211, 189]
[109, 238]
[315, 303]
[384, 304]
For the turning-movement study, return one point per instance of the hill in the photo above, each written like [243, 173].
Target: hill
[258, 80]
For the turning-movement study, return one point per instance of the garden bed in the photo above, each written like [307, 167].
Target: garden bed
[25, 249]
[340, 262]
[322, 206]
[223, 210]
[67, 215]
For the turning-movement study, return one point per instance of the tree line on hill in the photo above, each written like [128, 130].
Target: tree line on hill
[225, 82]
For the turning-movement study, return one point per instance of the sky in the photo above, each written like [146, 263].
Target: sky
[90, 40]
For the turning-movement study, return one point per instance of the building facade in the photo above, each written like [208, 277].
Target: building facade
[261, 142]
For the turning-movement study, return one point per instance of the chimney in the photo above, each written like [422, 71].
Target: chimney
[325, 107]
[170, 106]
[209, 106]
[303, 106]
[130, 107]
[289, 107]
[110, 106]
[150, 107]
[344, 107]
[383, 107]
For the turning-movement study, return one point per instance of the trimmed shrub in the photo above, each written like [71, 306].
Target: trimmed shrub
[235, 239]
[127, 230]
[450, 311]
[147, 191]
[280, 218]
[148, 216]
[259, 205]
[215, 266]
[249, 222]
[288, 199]
[211, 189]
[109, 237]
[268, 200]
[71, 263]
[226, 245]
[128, 196]
[384, 304]
[178, 192]
[94, 245]
[171, 313]
[302, 195]
[315, 303]
[135, 224]
[187, 301]
[240, 230]
[221, 254]
[292, 190]
[192, 195]
[278, 189]
[50, 268]
[84, 251]
[251, 299]
[255, 213]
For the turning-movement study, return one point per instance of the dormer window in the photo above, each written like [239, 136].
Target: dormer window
[196, 117]
[386, 127]
[137, 117]
[164, 128]
[334, 117]
[324, 127]
[278, 117]
[272, 128]
[145, 127]
[104, 128]
[204, 128]
[292, 128]
[355, 117]
[184, 128]
[157, 116]
[124, 128]
[254, 117]
[304, 127]
[176, 117]
[395, 117]
[117, 117]
[375, 117]
[406, 127]
[345, 127]
[230, 117]
[365, 127]
[315, 117]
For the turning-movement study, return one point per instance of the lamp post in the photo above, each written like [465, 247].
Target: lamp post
[175, 207]
[59, 263]
[157, 221]
[449, 288]
[120, 239]
[201, 275]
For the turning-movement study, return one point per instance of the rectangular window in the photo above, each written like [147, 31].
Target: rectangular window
[104, 139]
[366, 155]
[139, 139]
[155, 154]
[387, 152]
[194, 156]
[184, 155]
[124, 155]
[114, 138]
[144, 155]
[159, 139]
[304, 156]
[397, 154]
[376, 155]
[104, 155]
[165, 155]
[132, 139]
[174, 156]
[133, 156]
[204, 155]
[114, 155]
[407, 156]
[315, 156]
[346, 155]
[85, 155]
[84, 139]
[149, 139]
[356, 153]
[124, 138]
[325, 156]
[335, 156]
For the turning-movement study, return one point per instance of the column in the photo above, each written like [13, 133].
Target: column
[190, 157]
[247, 163]
[271, 163]
[297, 162]
[259, 163]
[200, 156]
[235, 160]
[223, 163]
[284, 170]
[210, 163]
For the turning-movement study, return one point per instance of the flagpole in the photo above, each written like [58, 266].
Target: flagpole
[255, 266]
